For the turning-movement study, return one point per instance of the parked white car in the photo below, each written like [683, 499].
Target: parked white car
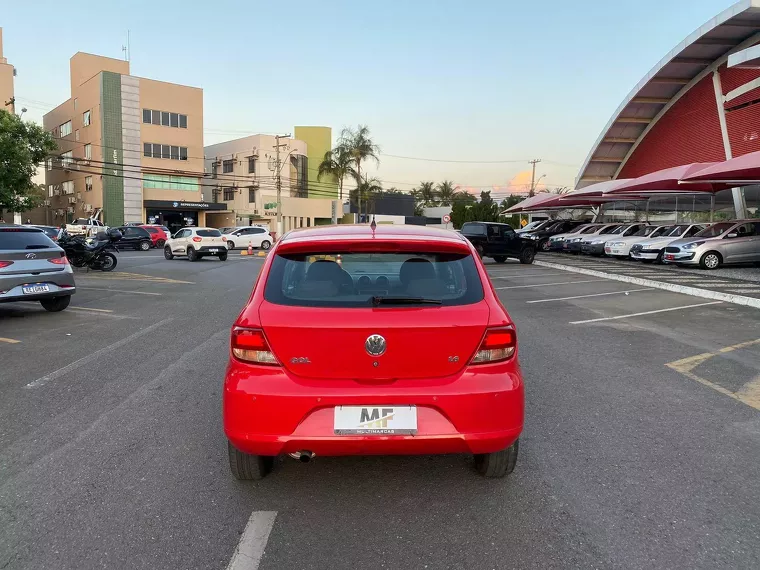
[557, 241]
[621, 247]
[87, 227]
[196, 243]
[652, 249]
[258, 237]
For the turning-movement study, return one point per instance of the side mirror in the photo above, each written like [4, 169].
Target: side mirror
[732, 235]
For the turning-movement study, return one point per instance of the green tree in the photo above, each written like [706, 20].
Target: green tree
[364, 193]
[360, 146]
[446, 193]
[513, 219]
[427, 194]
[463, 197]
[23, 146]
[337, 163]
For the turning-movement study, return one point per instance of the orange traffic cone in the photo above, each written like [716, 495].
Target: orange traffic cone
[250, 249]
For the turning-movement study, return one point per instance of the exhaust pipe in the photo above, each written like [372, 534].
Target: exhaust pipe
[303, 456]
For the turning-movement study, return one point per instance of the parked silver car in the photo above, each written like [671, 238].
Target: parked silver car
[652, 249]
[722, 243]
[34, 268]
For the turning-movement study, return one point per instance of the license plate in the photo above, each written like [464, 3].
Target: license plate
[32, 289]
[669, 256]
[375, 420]
[214, 250]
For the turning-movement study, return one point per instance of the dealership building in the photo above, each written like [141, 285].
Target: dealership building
[699, 104]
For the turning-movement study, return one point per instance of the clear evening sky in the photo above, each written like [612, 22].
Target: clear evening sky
[441, 79]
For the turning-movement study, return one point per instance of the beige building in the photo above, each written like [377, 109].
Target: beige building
[130, 148]
[242, 176]
[7, 73]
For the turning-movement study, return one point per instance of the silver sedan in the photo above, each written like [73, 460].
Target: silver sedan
[719, 244]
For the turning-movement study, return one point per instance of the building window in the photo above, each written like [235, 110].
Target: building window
[68, 187]
[65, 129]
[49, 162]
[67, 159]
[175, 153]
[165, 118]
[169, 182]
[76, 135]
[251, 165]
[229, 194]
[251, 195]
[50, 190]
[173, 120]
[183, 153]
[166, 151]
[156, 116]
[148, 150]
[183, 121]
[147, 116]
[88, 183]
[86, 119]
[228, 166]
[88, 152]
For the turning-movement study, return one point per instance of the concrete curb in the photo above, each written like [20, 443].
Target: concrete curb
[693, 291]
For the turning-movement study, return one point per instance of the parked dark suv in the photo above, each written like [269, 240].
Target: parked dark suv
[499, 241]
[542, 235]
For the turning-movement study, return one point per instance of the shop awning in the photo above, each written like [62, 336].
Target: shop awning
[597, 189]
[668, 180]
[739, 171]
[529, 203]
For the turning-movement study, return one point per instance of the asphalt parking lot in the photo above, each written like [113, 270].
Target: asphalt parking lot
[640, 447]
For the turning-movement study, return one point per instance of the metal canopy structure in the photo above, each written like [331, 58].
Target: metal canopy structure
[741, 170]
[668, 180]
[734, 29]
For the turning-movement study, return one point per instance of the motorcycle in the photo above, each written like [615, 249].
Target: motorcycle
[89, 252]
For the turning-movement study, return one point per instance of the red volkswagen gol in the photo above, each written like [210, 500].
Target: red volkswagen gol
[385, 341]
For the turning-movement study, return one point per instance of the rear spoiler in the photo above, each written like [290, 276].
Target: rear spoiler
[328, 244]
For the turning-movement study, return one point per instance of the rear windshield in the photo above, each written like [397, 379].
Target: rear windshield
[474, 229]
[360, 279]
[18, 238]
[151, 230]
[50, 232]
[209, 233]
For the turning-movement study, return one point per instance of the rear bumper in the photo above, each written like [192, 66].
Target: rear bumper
[471, 413]
[17, 294]
[206, 250]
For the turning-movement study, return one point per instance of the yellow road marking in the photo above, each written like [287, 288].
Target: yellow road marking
[118, 275]
[9, 340]
[748, 394]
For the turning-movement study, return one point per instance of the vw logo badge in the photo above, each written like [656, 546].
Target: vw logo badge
[375, 345]
[31, 255]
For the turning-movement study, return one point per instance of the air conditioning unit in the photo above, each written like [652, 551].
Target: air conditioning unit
[79, 195]
[72, 200]
[46, 203]
[88, 207]
[57, 192]
[70, 209]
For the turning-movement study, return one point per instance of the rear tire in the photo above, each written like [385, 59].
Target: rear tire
[266, 244]
[527, 255]
[499, 463]
[247, 467]
[230, 244]
[500, 258]
[160, 242]
[55, 304]
[223, 256]
[144, 245]
[168, 253]
[191, 254]
[711, 260]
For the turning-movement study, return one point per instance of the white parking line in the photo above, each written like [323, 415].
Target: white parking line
[528, 275]
[94, 355]
[118, 291]
[253, 541]
[592, 295]
[644, 313]
[549, 284]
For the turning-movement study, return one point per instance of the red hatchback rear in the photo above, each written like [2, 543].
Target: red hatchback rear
[358, 341]
[157, 235]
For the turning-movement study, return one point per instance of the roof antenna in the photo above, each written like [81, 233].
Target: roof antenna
[373, 225]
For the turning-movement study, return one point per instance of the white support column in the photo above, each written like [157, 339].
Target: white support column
[739, 205]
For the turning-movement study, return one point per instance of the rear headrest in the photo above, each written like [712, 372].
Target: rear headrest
[415, 269]
[324, 270]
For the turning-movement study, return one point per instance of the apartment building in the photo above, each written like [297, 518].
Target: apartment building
[242, 174]
[130, 148]
[7, 74]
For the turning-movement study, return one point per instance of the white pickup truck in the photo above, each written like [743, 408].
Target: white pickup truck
[87, 227]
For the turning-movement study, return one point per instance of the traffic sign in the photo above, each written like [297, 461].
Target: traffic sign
[446, 219]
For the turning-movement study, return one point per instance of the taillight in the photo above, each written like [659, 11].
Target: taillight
[196, 239]
[5, 264]
[250, 345]
[59, 260]
[499, 344]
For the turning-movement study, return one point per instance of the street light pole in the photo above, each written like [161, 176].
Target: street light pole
[278, 181]
[533, 176]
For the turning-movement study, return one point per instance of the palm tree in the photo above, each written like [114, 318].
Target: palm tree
[364, 191]
[337, 163]
[464, 197]
[427, 194]
[360, 147]
[446, 192]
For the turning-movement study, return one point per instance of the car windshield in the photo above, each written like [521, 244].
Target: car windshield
[645, 231]
[715, 230]
[676, 231]
[588, 229]
[24, 238]
[355, 279]
[209, 233]
[617, 230]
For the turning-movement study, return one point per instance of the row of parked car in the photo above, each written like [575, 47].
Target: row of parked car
[708, 246]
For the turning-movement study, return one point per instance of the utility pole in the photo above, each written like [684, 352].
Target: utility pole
[278, 181]
[533, 177]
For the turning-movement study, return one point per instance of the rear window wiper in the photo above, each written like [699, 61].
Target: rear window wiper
[377, 301]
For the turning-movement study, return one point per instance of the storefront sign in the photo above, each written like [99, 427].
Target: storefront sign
[182, 205]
